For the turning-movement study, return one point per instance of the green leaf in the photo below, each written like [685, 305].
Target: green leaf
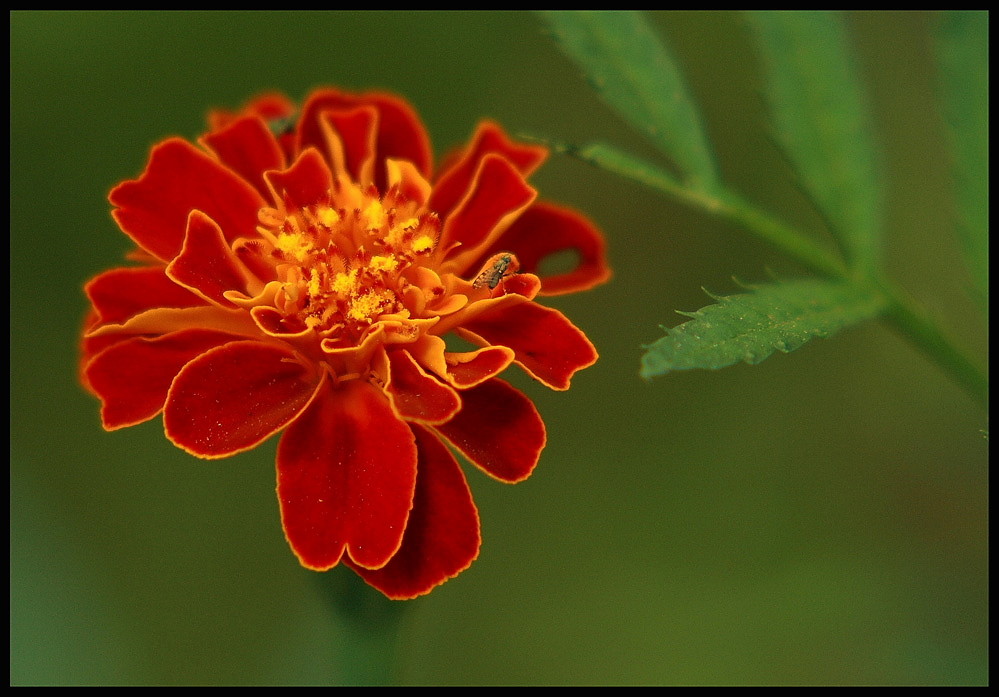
[632, 69]
[751, 326]
[962, 42]
[822, 123]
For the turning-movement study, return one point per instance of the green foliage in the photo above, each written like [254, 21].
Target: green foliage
[724, 203]
[962, 44]
[751, 326]
[632, 69]
[822, 123]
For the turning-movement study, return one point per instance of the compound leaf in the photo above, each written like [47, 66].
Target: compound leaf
[628, 63]
[822, 123]
[962, 42]
[749, 327]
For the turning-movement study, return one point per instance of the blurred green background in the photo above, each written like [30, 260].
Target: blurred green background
[819, 518]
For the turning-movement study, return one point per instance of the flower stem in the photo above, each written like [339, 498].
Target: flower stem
[369, 624]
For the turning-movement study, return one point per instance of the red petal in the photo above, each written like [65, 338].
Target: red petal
[132, 377]
[256, 258]
[544, 230]
[489, 138]
[346, 472]
[268, 106]
[525, 284]
[548, 346]
[442, 535]
[91, 346]
[179, 178]
[235, 397]
[497, 429]
[247, 147]
[400, 133]
[124, 292]
[496, 196]
[353, 142]
[308, 181]
[206, 264]
[408, 182]
[164, 320]
[470, 368]
[275, 323]
[416, 395]
[504, 296]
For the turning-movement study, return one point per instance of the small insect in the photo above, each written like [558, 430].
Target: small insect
[493, 271]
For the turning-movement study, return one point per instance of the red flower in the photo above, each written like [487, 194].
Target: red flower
[299, 273]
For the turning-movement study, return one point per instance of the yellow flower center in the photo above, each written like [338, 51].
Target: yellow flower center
[345, 267]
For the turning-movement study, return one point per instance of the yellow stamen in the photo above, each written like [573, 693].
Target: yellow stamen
[423, 243]
[295, 245]
[314, 285]
[345, 283]
[375, 213]
[366, 307]
[383, 263]
[328, 217]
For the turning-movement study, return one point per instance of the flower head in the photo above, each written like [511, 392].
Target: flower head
[299, 272]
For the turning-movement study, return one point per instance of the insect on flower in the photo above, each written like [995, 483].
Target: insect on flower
[495, 269]
[305, 272]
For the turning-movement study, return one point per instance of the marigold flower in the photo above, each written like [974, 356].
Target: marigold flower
[298, 273]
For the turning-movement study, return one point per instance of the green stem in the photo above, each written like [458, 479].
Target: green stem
[720, 202]
[901, 310]
[734, 208]
[908, 318]
[368, 625]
